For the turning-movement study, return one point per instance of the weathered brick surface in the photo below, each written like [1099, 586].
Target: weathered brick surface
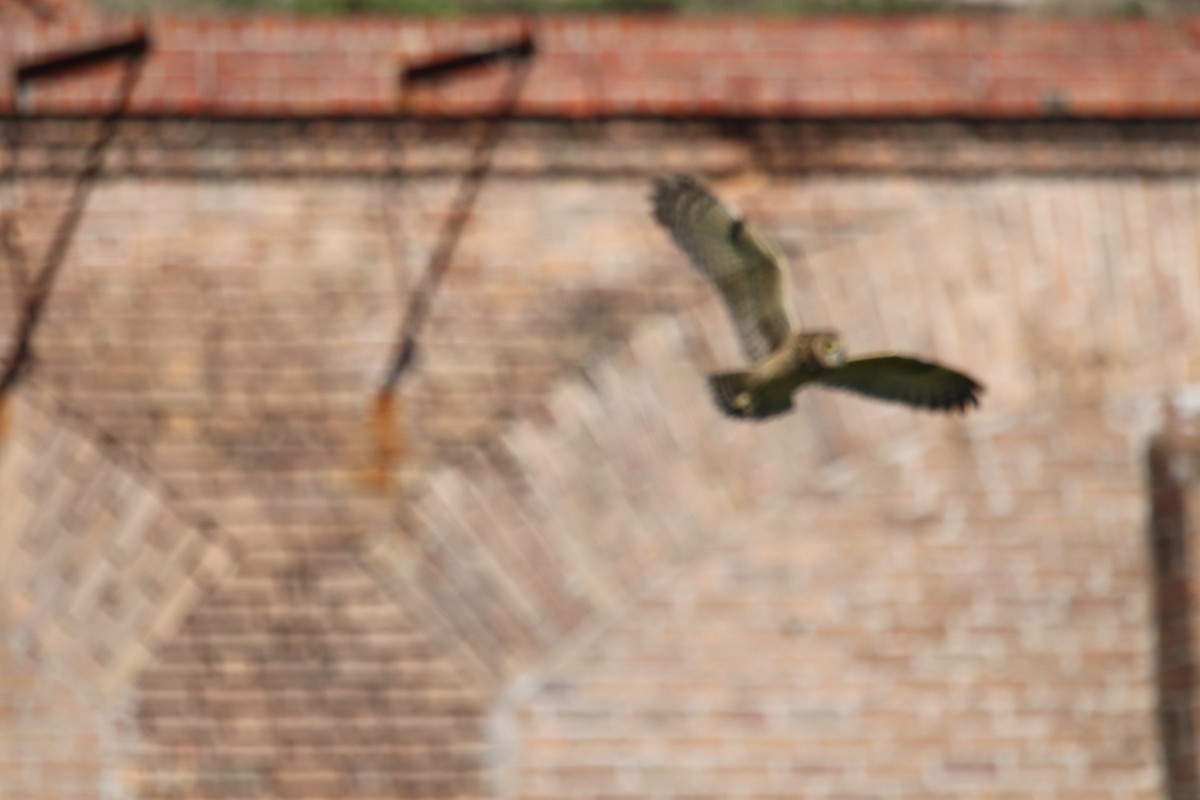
[236, 301]
[301, 678]
[992, 641]
[53, 742]
[1043, 491]
[1045, 343]
[96, 568]
[224, 310]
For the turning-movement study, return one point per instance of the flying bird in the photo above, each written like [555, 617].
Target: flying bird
[753, 280]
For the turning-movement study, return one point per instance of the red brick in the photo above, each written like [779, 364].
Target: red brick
[917, 67]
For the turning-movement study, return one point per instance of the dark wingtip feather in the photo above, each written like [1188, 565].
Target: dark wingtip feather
[961, 399]
[914, 382]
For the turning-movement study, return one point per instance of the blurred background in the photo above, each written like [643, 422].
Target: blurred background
[355, 441]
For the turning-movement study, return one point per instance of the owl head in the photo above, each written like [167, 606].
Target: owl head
[827, 349]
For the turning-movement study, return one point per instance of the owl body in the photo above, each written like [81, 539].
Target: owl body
[767, 389]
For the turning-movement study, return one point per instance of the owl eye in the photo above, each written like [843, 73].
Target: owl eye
[831, 347]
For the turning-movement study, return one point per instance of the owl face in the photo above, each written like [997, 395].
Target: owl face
[828, 350]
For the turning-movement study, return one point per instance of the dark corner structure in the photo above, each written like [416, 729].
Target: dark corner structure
[1174, 473]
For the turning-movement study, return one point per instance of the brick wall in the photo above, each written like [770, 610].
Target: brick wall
[574, 578]
[54, 743]
[1020, 662]
[507, 563]
[300, 677]
[883, 636]
[97, 567]
[98, 572]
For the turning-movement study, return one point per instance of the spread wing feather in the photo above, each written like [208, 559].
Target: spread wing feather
[906, 380]
[747, 271]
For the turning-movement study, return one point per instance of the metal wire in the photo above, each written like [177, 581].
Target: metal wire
[447, 241]
[37, 292]
[389, 439]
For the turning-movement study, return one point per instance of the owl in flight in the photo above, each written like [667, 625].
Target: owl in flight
[752, 278]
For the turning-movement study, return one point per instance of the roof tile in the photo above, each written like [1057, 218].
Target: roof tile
[916, 66]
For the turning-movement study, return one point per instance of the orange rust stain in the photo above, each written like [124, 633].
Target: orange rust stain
[389, 440]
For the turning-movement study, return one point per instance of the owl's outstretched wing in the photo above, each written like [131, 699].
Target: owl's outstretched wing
[748, 272]
[902, 379]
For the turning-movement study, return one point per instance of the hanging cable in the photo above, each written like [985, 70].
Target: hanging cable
[37, 290]
[519, 54]
[469, 187]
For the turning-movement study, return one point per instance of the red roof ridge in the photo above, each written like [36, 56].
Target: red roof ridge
[658, 65]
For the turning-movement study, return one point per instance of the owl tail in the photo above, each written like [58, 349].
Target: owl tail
[737, 396]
